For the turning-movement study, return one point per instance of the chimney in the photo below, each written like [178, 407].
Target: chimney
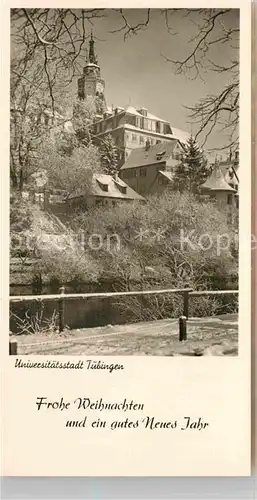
[147, 144]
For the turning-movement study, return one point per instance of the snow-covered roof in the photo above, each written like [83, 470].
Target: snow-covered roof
[168, 175]
[159, 153]
[153, 117]
[132, 111]
[115, 188]
[181, 135]
[216, 182]
[92, 64]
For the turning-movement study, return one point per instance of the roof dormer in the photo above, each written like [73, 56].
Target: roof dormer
[160, 155]
[121, 187]
[142, 111]
[102, 185]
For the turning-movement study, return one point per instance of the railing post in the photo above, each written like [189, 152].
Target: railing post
[61, 310]
[186, 303]
[12, 347]
[182, 328]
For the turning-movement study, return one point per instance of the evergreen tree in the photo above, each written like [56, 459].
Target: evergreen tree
[109, 155]
[193, 169]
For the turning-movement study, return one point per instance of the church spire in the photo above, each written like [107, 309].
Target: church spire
[90, 84]
[92, 56]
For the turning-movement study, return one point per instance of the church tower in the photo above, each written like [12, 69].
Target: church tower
[90, 84]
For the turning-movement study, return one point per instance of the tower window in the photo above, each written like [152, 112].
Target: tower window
[229, 200]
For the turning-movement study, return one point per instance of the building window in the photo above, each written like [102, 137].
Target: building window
[229, 218]
[134, 137]
[158, 127]
[166, 128]
[143, 171]
[133, 172]
[138, 121]
[142, 139]
[237, 202]
[229, 201]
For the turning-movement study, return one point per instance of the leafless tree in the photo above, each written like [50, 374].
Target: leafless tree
[214, 29]
[55, 39]
[47, 51]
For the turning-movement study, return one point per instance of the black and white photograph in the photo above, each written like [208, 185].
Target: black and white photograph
[124, 182]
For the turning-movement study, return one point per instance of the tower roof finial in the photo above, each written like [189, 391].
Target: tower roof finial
[92, 56]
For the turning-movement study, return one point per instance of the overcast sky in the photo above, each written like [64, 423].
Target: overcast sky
[136, 72]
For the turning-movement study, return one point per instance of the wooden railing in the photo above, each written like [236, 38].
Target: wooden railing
[62, 297]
